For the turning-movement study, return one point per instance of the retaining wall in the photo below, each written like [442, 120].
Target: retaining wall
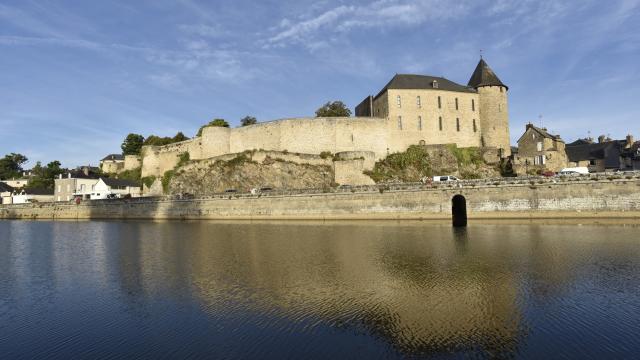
[618, 198]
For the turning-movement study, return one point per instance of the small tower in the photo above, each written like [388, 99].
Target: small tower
[494, 109]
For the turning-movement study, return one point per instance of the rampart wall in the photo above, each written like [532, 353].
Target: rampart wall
[619, 198]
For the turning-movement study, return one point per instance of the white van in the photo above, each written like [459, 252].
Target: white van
[445, 178]
[582, 170]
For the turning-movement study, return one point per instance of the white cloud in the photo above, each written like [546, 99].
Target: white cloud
[202, 30]
[379, 14]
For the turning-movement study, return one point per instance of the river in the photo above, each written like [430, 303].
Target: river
[371, 290]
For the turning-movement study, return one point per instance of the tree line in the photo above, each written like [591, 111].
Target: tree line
[11, 167]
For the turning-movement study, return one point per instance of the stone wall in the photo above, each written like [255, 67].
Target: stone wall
[132, 162]
[619, 198]
[457, 122]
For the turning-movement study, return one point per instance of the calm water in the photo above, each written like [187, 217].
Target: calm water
[313, 290]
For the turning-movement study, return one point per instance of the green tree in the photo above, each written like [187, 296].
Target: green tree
[43, 177]
[180, 137]
[214, 122]
[11, 165]
[132, 144]
[333, 109]
[248, 120]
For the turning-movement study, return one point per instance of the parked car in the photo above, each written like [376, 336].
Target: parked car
[231, 191]
[445, 178]
[548, 173]
[574, 171]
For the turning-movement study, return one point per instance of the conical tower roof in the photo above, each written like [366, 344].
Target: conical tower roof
[484, 76]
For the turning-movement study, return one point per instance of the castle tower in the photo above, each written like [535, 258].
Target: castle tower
[494, 109]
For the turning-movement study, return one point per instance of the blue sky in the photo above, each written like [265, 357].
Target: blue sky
[78, 76]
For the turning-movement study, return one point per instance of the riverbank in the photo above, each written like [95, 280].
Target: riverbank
[548, 199]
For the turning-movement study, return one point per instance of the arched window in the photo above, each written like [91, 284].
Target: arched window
[473, 105]
[475, 128]
[457, 124]
[418, 102]
[456, 103]
[419, 122]
[399, 122]
[439, 103]
[440, 123]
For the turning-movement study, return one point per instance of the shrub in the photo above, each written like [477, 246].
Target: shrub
[183, 159]
[466, 156]
[166, 179]
[148, 180]
[326, 154]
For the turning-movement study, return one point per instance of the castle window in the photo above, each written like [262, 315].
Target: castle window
[398, 101]
[440, 122]
[456, 103]
[419, 122]
[475, 128]
[418, 102]
[473, 105]
[539, 146]
[457, 124]
[399, 122]
[439, 103]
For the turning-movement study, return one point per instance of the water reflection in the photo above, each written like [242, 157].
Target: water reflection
[313, 289]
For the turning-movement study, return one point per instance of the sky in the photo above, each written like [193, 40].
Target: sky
[77, 76]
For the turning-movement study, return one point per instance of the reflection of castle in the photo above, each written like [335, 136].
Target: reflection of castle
[410, 110]
[418, 295]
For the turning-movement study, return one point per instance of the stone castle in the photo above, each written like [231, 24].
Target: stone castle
[409, 110]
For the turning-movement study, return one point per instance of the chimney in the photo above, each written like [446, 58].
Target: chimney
[629, 141]
[529, 126]
[601, 139]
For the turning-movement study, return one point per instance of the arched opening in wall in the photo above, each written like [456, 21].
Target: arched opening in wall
[459, 211]
[422, 143]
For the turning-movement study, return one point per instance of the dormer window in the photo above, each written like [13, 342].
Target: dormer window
[435, 84]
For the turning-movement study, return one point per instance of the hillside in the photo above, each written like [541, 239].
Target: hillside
[420, 161]
[246, 171]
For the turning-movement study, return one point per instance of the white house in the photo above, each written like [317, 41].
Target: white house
[24, 196]
[108, 187]
[6, 192]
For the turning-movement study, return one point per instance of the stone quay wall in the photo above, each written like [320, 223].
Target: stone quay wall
[514, 199]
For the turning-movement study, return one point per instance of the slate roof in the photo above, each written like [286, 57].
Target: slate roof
[38, 191]
[79, 174]
[581, 142]
[410, 81]
[112, 182]
[608, 151]
[484, 76]
[5, 188]
[113, 157]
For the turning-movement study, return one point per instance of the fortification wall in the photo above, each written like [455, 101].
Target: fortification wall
[312, 135]
[583, 199]
[156, 160]
[131, 162]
